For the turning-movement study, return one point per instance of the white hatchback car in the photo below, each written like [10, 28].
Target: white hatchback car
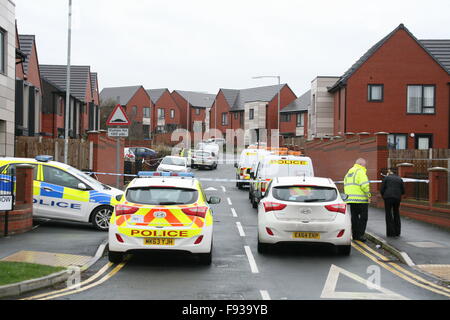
[305, 209]
[173, 164]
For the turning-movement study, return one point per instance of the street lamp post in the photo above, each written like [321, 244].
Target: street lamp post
[279, 99]
[67, 111]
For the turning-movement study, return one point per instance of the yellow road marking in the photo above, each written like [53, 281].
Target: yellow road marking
[396, 272]
[404, 270]
[89, 280]
[102, 280]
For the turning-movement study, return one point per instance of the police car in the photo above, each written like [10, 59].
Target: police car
[163, 211]
[249, 157]
[276, 165]
[63, 192]
[308, 209]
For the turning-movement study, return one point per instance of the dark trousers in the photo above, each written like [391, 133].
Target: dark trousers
[393, 223]
[360, 213]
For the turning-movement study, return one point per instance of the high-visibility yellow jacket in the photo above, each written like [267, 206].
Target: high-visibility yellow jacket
[357, 185]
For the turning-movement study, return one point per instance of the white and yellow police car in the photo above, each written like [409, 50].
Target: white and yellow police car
[64, 193]
[163, 211]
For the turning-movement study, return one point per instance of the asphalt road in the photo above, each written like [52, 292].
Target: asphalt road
[238, 272]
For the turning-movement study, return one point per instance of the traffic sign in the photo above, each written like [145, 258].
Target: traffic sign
[118, 132]
[118, 117]
[6, 203]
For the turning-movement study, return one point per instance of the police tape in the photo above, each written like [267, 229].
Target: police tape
[406, 180]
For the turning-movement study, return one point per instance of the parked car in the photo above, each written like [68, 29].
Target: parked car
[204, 159]
[173, 164]
[129, 155]
[141, 152]
[304, 210]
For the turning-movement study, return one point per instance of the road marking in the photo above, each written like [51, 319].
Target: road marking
[211, 189]
[233, 211]
[99, 282]
[229, 201]
[241, 229]
[224, 189]
[329, 290]
[396, 272]
[89, 280]
[251, 260]
[265, 295]
[406, 272]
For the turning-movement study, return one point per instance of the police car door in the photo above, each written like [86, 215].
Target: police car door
[60, 195]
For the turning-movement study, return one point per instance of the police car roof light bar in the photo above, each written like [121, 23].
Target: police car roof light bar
[44, 158]
[151, 174]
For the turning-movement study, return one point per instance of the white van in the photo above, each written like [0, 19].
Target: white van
[276, 166]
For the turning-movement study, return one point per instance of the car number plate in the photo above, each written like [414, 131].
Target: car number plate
[159, 242]
[307, 235]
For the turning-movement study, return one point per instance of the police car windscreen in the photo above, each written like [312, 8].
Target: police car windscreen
[305, 194]
[248, 159]
[174, 161]
[162, 196]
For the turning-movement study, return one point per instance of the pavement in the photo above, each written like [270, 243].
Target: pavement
[427, 245]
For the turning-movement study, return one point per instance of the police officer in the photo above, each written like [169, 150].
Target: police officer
[357, 188]
[392, 191]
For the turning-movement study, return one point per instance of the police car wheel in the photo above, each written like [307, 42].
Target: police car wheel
[115, 257]
[100, 218]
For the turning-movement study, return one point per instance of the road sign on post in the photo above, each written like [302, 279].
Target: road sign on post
[118, 118]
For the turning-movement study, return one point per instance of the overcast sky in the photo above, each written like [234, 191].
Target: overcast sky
[204, 45]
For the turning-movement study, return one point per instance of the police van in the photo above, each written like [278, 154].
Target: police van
[245, 165]
[63, 192]
[275, 166]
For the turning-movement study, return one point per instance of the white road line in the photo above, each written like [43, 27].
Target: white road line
[265, 295]
[229, 201]
[251, 260]
[233, 211]
[224, 189]
[241, 230]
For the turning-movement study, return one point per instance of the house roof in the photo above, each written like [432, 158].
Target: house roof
[57, 75]
[26, 46]
[301, 104]
[440, 49]
[122, 95]
[156, 94]
[238, 98]
[435, 50]
[198, 99]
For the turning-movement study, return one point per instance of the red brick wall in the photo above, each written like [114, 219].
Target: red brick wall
[182, 107]
[287, 97]
[141, 100]
[400, 62]
[167, 103]
[333, 159]
[222, 106]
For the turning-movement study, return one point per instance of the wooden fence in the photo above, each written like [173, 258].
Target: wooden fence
[78, 156]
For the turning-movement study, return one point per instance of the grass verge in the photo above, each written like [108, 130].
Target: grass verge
[14, 272]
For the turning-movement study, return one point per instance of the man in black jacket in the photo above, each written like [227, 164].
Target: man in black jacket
[392, 191]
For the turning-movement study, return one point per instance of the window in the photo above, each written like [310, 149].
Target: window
[236, 115]
[285, 117]
[172, 114]
[424, 141]
[162, 196]
[224, 119]
[251, 114]
[12, 169]
[2, 51]
[161, 114]
[60, 178]
[300, 120]
[398, 141]
[421, 99]
[134, 112]
[305, 194]
[376, 92]
[147, 113]
[197, 111]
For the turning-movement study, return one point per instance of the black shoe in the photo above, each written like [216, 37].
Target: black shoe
[362, 239]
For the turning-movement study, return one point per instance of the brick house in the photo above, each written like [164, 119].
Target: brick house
[294, 117]
[166, 115]
[253, 109]
[137, 104]
[83, 113]
[400, 86]
[196, 119]
[28, 105]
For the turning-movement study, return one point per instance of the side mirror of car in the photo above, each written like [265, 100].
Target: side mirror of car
[252, 176]
[119, 197]
[214, 200]
[344, 196]
[82, 186]
[259, 194]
